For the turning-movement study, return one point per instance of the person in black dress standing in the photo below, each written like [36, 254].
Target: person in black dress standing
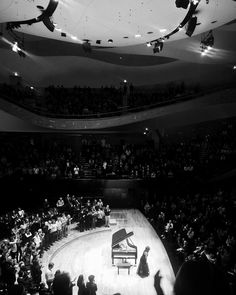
[81, 285]
[143, 269]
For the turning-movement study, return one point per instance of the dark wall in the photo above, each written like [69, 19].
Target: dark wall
[31, 191]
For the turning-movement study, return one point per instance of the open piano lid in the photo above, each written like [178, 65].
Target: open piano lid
[120, 236]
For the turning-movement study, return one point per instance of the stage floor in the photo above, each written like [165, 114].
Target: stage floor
[90, 253]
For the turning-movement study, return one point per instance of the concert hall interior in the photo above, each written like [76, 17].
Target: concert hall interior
[118, 147]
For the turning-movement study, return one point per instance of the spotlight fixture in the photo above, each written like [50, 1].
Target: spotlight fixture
[158, 46]
[110, 41]
[207, 42]
[182, 3]
[15, 47]
[191, 25]
[18, 50]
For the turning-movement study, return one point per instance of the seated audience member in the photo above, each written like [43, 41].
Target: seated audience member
[60, 203]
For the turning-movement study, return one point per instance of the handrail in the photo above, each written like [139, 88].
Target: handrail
[123, 110]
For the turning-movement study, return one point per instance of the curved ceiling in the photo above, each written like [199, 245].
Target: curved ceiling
[116, 23]
[117, 32]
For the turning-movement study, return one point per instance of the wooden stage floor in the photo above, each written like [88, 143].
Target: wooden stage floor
[90, 253]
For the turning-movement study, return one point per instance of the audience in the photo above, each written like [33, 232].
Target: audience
[203, 155]
[197, 226]
[87, 102]
[27, 235]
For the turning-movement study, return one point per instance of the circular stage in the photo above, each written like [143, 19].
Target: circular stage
[90, 253]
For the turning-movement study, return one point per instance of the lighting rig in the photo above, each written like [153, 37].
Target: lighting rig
[190, 21]
[207, 42]
[18, 45]
[44, 17]
[158, 45]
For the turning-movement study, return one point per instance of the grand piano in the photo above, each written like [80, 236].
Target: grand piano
[122, 247]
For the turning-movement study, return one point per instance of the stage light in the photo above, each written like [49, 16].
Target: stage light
[207, 42]
[15, 74]
[234, 67]
[182, 3]
[110, 41]
[74, 38]
[158, 46]
[15, 47]
[191, 25]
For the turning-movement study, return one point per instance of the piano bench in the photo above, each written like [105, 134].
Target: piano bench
[123, 265]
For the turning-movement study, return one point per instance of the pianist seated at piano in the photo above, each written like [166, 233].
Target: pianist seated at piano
[121, 246]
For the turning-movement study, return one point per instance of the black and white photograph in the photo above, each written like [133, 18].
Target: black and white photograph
[118, 147]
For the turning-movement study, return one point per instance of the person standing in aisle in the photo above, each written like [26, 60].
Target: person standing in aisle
[107, 212]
